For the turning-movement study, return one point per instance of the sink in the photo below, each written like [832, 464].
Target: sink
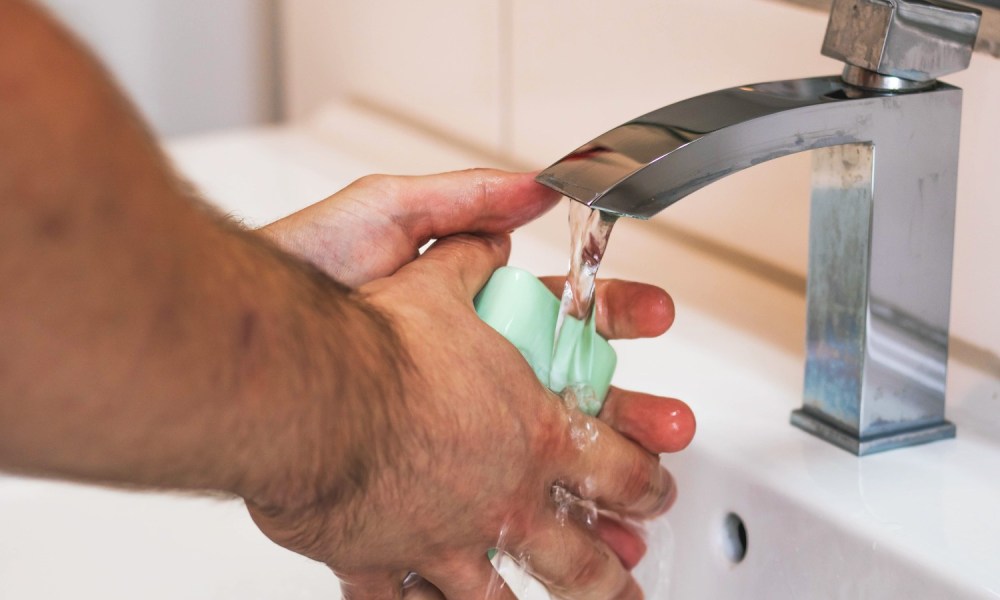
[62, 540]
[767, 511]
[764, 510]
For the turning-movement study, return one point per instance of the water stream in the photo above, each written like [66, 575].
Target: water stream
[590, 231]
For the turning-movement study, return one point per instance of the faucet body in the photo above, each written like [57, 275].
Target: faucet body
[881, 230]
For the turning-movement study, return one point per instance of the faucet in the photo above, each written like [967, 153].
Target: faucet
[884, 136]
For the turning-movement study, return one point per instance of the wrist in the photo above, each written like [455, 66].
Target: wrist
[327, 418]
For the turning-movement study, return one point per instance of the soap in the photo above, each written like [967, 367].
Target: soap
[519, 306]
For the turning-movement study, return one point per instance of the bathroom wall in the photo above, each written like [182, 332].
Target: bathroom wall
[525, 82]
[189, 65]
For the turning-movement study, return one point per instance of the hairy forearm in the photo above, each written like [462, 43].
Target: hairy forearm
[145, 340]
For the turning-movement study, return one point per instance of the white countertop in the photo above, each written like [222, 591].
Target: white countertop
[735, 354]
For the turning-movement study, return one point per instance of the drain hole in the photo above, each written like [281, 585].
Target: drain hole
[734, 538]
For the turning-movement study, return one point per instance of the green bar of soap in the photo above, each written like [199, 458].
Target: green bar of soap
[519, 306]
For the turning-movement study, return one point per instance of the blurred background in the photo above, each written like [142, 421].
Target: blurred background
[191, 66]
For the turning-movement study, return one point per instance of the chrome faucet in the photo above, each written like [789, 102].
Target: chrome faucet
[885, 163]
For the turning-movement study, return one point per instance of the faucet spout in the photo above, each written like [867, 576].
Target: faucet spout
[639, 168]
[881, 230]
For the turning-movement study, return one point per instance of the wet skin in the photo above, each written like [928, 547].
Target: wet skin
[404, 213]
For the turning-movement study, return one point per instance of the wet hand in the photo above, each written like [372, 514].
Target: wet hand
[628, 310]
[475, 448]
[376, 226]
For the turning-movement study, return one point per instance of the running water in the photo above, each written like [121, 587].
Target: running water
[589, 233]
[590, 230]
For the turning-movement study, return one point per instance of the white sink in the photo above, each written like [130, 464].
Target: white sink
[817, 522]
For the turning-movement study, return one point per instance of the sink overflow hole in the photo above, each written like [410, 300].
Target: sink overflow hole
[734, 538]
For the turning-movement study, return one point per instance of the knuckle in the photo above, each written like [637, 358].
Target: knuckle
[588, 572]
[377, 183]
[483, 186]
[551, 438]
[639, 483]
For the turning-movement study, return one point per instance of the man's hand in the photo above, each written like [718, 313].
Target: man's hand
[474, 449]
[376, 226]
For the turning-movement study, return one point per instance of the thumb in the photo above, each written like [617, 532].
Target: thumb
[464, 262]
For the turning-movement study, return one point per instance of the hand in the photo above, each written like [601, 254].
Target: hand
[474, 449]
[376, 225]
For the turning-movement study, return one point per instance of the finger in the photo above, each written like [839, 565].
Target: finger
[376, 225]
[619, 475]
[472, 201]
[572, 563]
[626, 309]
[465, 261]
[657, 424]
[472, 578]
[624, 540]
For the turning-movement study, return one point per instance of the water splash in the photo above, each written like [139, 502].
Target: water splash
[511, 572]
[582, 428]
[572, 506]
[655, 569]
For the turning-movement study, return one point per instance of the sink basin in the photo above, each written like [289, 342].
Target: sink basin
[764, 510]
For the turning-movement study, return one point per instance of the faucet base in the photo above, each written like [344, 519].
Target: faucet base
[806, 421]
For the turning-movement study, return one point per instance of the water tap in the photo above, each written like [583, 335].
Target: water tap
[885, 136]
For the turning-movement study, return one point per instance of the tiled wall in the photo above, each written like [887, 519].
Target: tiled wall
[529, 81]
